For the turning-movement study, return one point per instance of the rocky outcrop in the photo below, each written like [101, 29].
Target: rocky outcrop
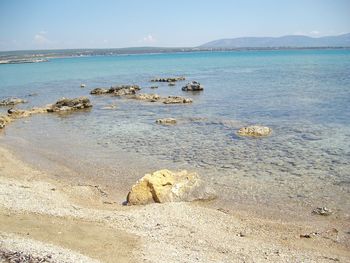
[170, 79]
[166, 186]
[65, 104]
[166, 121]
[255, 131]
[14, 113]
[176, 100]
[11, 101]
[121, 90]
[147, 97]
[193, 86]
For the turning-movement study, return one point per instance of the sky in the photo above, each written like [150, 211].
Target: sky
[62, 24]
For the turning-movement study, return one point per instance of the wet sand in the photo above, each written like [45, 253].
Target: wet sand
[45, 215]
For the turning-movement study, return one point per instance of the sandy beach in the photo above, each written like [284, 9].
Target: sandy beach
[43, 216]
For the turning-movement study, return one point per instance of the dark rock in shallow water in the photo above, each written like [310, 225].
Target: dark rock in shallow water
[11, 101]
[193, 86]
[65, 104]
[171, 79]
[117, 90]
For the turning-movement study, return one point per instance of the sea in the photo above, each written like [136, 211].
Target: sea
[303, 95]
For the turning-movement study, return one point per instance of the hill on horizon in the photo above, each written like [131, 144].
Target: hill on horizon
[277, 42]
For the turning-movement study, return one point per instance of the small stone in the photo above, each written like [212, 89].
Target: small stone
[82, 85]
[255, 131]
[166, 121]
[322, 211]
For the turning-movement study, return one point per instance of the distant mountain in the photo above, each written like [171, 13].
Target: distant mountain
[277, 42]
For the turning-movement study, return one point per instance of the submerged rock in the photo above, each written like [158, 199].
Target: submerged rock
[153, 87]
[11, 101]
[322, 211]
[65, 104]
[147, 97]
[170, 79]
[176, 100]
[166, 121]
[171, 84]
[109, 107]
[193, 86]
[14, 113]
[255, 131]
[166, 186]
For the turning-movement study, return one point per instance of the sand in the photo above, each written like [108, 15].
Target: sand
[42, 215]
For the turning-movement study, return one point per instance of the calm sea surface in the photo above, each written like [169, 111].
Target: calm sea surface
[303, 95]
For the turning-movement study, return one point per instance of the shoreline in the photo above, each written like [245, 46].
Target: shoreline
[32, 200]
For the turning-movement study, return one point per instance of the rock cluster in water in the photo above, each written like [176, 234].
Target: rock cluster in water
[65, 104]
[62, 105]
[255, 131]
[121, 90]
[193, 86]
[166, 121]
[170, 79]
[166, 186]
[11, 101]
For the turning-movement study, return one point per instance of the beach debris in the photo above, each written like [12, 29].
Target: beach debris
[82, 85]
[11, 101]
[166, 121]
[322, 211]
[166, 186]
[171, 84]
[121, 90]
[66, 104]
[193, 86]
[170, 79]
[18, 256]
[255, 131]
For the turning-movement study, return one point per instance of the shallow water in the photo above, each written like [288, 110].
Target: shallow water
[304, 95]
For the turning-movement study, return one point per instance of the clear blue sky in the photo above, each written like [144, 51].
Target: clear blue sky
[47, 24]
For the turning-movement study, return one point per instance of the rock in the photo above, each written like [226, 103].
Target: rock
[147, 97]
[166, 186]
[176, 100]
[255, 131]
[153, 87]
[171, 79]
[4, 120]
[65, 104]
[166, 121]
[14, 113]
[82, 85]
[11, 101]
[109, 107]
[99, 91]
[322, 211]
[171, 84]
[193, 86]
[117, 90]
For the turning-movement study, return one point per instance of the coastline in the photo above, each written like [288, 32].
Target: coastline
[39, 208]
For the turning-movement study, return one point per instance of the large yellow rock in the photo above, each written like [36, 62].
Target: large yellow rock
[166, 186]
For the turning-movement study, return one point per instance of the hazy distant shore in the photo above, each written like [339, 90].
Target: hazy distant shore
[35, 56]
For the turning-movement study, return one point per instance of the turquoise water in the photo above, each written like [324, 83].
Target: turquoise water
[304, 95]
